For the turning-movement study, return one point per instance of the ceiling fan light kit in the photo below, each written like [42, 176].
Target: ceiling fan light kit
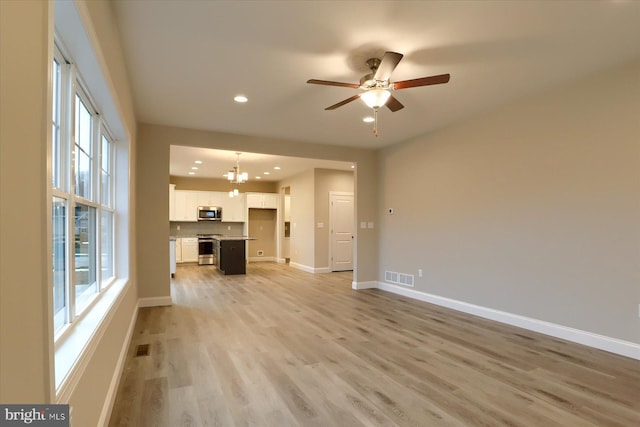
[377, 87]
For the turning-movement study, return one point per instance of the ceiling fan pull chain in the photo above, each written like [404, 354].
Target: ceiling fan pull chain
[375, 122]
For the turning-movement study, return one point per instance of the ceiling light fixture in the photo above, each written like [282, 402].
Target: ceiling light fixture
[240, 98]
[375, 98]
[236, 177]
[277, 168]
[198, 162]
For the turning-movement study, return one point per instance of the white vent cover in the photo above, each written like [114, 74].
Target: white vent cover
[399, 278]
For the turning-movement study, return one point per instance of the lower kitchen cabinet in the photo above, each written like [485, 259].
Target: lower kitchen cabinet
[231, 257]
[189, 249]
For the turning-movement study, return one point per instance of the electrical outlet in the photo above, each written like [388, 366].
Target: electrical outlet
[260, 253]
[228, 227]
[419, 272]
[178, 227]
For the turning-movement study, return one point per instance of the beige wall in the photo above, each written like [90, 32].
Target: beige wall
[26, 31]
[262, 227]
[26, 349]
[153, 143]
[533, 209]
[327, 181]
[302, 240]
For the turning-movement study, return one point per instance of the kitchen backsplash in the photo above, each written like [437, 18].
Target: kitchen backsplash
[191, 229]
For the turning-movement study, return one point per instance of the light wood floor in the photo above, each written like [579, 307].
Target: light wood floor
[280, 347]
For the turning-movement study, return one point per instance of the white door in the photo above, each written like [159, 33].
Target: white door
[341, 218]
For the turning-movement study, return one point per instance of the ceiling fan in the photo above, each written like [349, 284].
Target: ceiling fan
[377, 87]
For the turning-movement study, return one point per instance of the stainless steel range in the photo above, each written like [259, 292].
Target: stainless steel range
[206, 250]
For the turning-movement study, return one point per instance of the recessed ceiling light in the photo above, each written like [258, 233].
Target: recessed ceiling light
[192, 173]
[240, 98]
[353, 166]
[198, 162]
[277, 168]
[195, 168]
[267, 173]
[258, 177]
[368, 119]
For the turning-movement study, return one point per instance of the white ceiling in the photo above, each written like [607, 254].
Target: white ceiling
[188, 59]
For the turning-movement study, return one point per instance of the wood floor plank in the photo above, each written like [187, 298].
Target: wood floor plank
[281, 347]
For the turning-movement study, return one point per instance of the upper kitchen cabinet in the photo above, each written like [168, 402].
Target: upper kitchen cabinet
[233, 209]
[262, 200]
[212, 198]
[186, 205]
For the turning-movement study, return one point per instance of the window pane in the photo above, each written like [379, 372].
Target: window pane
[83, 126]
[83, 153]
[107, 245]
[55, 153]
[83, 175]
[85, 255]
[105, 176]
[59, 228]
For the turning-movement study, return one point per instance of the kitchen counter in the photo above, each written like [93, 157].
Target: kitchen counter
[222, 238]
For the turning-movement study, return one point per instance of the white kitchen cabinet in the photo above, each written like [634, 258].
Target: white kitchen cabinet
[178, 250]
[189, 249]
[233, 208]
[172, 202]
[211, 198]
[186, 205]
[262, 200]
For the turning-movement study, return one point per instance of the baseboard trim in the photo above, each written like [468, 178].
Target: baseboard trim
[312, 270]
[154, 301]
[302, 267]
[110, 399]
[613, 345]
[364, 285]
[262, 259]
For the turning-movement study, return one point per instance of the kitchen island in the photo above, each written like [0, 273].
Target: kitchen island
[230, 254]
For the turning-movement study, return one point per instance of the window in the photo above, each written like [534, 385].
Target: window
[83, 210]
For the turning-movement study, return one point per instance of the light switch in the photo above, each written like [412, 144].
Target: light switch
[363, 224]
[321, 225]
[370, 225]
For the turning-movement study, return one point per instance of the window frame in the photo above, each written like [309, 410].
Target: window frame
[71, 88]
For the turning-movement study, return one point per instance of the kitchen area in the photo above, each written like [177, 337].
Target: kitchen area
[210, 228]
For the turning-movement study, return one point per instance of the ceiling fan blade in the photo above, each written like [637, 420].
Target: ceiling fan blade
[341, 103]
[389, 63]
[393, 104]
[423, 81]
[330, 83]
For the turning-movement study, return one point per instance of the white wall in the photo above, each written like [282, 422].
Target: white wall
[533, 209]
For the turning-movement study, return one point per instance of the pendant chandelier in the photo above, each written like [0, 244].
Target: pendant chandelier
[236, 177]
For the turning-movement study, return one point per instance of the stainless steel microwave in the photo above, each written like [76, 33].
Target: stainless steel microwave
[209, 213]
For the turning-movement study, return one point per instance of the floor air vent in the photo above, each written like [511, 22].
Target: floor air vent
[399, 278]
[142, 350]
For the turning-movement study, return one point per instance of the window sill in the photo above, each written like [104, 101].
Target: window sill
[79, 341]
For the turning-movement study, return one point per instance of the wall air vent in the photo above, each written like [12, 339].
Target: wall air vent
[399, 278]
